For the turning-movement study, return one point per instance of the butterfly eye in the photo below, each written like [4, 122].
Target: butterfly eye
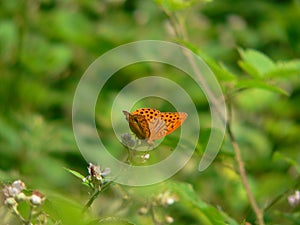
[135, 120]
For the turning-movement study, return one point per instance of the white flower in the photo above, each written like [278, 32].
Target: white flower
[146, 156]
[14, 189]
[21, 197]
[37, 198]
[166, 198]
[96, 173]
[294, 200]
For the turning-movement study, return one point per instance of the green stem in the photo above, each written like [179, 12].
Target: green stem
[91, 200]
[154, 219]
[283, 195]
[95, 195]
[16, 212]
[175, 24]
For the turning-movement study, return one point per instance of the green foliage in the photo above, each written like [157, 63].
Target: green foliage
[175, 5]
[253, 49]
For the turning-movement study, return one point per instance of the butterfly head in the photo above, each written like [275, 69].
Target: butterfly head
[138, 125]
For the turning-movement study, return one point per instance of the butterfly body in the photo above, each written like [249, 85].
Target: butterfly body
[151, 124]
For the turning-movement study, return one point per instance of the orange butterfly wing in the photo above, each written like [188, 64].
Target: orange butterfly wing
[173, 120]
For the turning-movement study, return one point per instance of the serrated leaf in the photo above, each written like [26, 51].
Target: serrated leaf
[75, 173]
[285, 69]
[253, 60]
[245, 84]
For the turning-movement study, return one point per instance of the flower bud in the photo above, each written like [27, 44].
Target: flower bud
[14, 189]
[20, 197]
[143, 210]
[169, 219]
[37, 198]
[10, 201]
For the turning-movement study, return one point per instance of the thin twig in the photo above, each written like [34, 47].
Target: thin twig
[174, 23]
[258, 212]
[282, 195]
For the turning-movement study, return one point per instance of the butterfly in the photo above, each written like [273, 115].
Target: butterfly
[151, 124]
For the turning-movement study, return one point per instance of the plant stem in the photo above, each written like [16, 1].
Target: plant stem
[155, 221]
[95, 195]
[284, 194]
[16, 212]
[242, 172]
[91, 200]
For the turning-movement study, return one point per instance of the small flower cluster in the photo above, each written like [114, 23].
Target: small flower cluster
[294, 200]
[14, 193]
[166, 198]
[163, 199]
[96, 177]
[136, 156]
[131, 143]
[128, 141]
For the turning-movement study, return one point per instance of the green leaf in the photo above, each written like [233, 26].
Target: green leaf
[113, 221]
[285, 69]
[221, 72]
[249, 69]
[9, 135]
[291, 161]
[204, 213]
[43, 57]
[37, 93]
[64, 24]
[75, 173]
[255, 63]
[65, 210]
[8, 40]
[175, 5]
[245, 84]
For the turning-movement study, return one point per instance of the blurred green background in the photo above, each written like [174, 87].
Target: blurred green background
[46, 46]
